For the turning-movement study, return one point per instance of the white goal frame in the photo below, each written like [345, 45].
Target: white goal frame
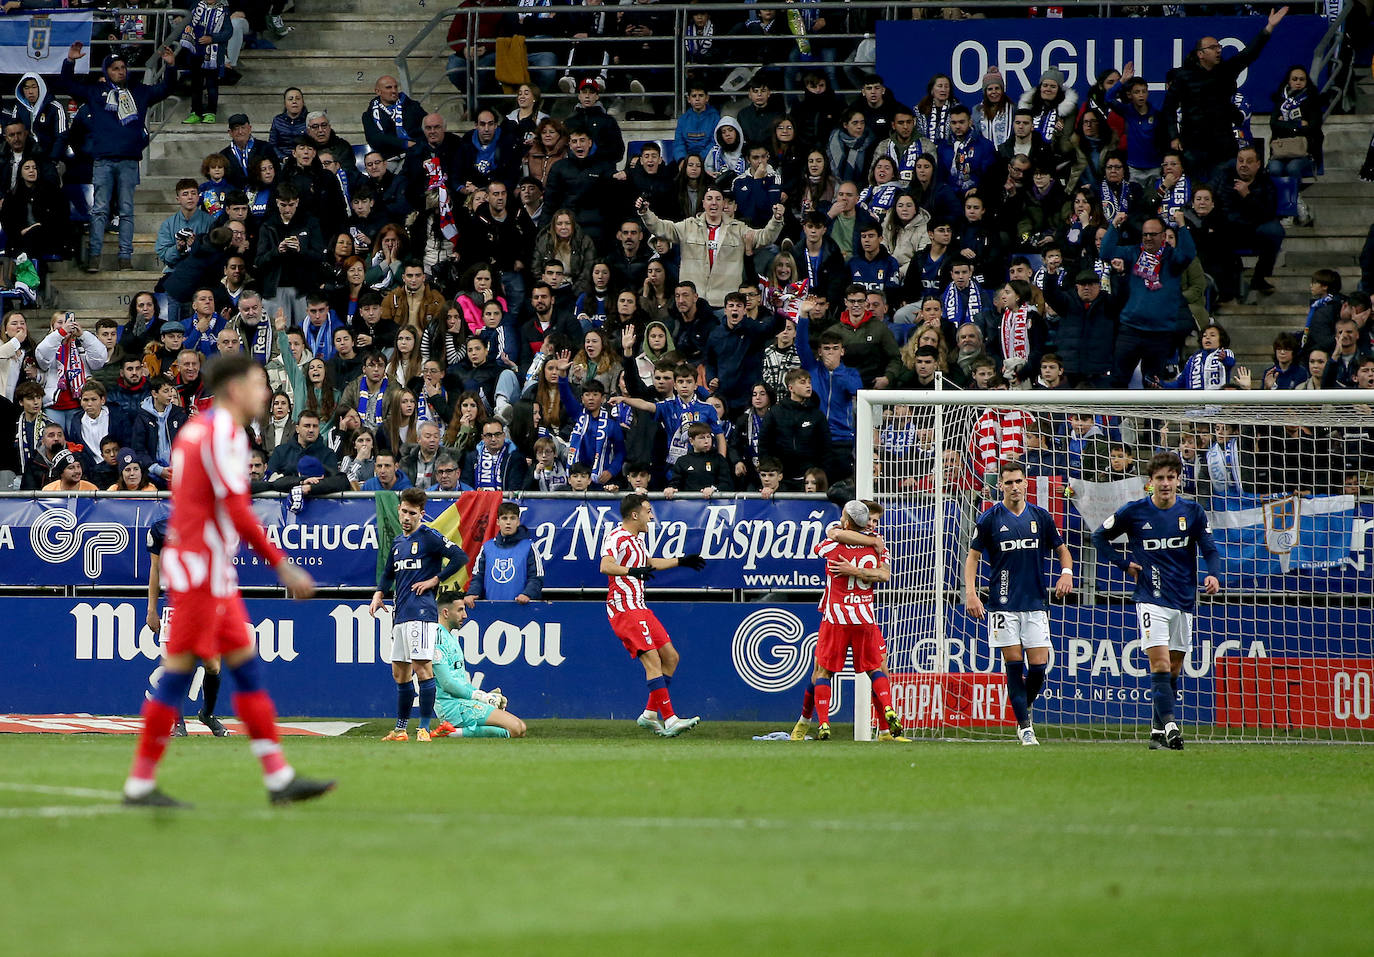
[868, 419]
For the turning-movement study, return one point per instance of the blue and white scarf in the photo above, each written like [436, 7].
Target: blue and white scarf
[1223, 466]
[423, 412]
[394, 112]
[601, 435]
[206, 20]
[242, 157]
[934, 123]
[491, 469]
[751, 436]
[320, 339]
[1116, 199]
[370, 404]
[1179, 197]
[486, 153]
[905, 157]
[996, 130]
[879, 199]
[960, 309]
[961, 172]
[1208, 369]
[1290, 108]
[1312, 311]
[697, 43]
[261, 347]
[550, 478]
[1046, 121]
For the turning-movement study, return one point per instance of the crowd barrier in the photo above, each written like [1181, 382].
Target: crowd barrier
[740, 661]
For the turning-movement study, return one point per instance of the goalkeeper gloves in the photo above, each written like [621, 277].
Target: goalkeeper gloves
[644, 572]
[693, 561]
[494, 698]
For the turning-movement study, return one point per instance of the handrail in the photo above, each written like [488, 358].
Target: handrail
[1327, 53]
[680, 12]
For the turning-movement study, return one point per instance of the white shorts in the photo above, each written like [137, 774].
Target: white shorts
[1164, 626]
[414, 640]
[1029, 629]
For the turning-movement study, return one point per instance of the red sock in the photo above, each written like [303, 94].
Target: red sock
[660, 702]
[809, 701]
[259, 716]
[158, 719]
[823, 702]
[882, 691]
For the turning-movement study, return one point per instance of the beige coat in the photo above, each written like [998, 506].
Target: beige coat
[713, 283]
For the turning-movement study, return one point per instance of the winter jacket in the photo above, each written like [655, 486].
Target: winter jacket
[299, 270]
[578, 268]
[513, 470]
[756, 196]
[147, 428]
[501, 161]
[695, 471]
[256, 152]
[1202, 100]
[718, 159]
[508, 566]
[1085, 337]
[868, 347]
[382, 133]
[1146, 309]
[286, 458]
[584, 186]
[284, 133]
[735, 356]
[45, 120]
[607, 141]
[693, 136]
[834, 389]
[796, 435]
[1244, 213]
[45, 354]
[713, 281]
[109, 137]
[415, 174]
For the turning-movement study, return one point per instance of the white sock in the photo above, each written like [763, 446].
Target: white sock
[139, 787]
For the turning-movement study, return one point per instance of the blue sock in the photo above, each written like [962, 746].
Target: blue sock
[1016, 690]
[1162, 697]
[246, 676]
[405, 699]
[1035, 681]
[172, 687]
[667, 681]
[427, 693]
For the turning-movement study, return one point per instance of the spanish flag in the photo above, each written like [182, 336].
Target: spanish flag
[469, 521]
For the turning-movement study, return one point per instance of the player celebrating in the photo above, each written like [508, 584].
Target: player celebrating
[414, 573]
[625, 561]
[1016, 536]
[210, 510]
[1164, 535]
[466, 711]
[848, 620]
[157, 537]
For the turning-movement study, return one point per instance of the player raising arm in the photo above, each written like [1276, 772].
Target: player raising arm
[1164, 534]
[210, 510]
[421, 558]
[626, 563]
[466, 711]
[1017, 536]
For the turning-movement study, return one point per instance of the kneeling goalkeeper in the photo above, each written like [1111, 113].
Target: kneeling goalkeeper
[466, 712]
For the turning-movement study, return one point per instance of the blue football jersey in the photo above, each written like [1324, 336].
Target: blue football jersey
[1165, 543]
[415, 558]
[1015, 547]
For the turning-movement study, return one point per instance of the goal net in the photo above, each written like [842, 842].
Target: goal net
[1283, 652]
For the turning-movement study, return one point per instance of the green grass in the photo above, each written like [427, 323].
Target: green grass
[588, 838]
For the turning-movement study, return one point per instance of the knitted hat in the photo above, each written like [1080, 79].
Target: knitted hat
[110, 60]
[60, 461]
[127, 456]
[1054, 75]
[993, 76]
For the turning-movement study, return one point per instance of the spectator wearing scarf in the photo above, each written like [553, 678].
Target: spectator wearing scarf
[67, 356]
[597, 440]
[1154, 290]
[392, 121]
[496, 463]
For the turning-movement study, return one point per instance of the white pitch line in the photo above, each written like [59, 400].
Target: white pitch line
[59, 791]
[62, 810]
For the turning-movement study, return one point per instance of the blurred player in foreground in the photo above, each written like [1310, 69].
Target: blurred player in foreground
[210, 510]
[848, 619]
[625, 561]
[421, 558]
[1164, 534]
[1017, 536]
[466, 711]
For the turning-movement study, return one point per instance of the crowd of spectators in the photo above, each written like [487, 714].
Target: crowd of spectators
[532, 303]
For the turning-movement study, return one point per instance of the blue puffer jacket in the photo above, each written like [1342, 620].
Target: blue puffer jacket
[109, 138]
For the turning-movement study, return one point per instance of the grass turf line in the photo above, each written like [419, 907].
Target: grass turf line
[593, 837]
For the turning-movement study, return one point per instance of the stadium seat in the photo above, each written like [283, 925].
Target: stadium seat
[359, 152]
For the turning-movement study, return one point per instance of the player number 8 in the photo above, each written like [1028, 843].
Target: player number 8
[1145, 618]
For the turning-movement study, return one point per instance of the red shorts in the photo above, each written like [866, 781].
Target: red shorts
[205, 626]
[639, 631]
[834, 640]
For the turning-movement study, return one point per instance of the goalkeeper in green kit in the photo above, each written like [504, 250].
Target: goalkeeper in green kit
[466, 712]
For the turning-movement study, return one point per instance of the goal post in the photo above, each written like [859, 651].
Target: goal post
[1285, 651]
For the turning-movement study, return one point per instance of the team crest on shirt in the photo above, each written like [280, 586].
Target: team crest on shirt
[414, 548]
[1033, 529]
[1182, 524]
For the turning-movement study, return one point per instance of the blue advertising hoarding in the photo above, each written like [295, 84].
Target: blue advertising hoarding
[1080, 48]
[740, 661]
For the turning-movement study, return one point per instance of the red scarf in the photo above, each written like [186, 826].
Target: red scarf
[1016, 332]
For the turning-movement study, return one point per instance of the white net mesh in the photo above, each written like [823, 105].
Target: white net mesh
[1284, 652]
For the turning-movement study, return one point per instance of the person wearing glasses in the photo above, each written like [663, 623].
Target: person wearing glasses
[318, 130]
[496, 463]
[1154, 273]
[1198, 107]
[446, 474]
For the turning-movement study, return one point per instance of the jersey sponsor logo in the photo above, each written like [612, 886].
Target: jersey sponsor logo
[1019, 544]
[57, 537]
[409, 564]
[1160, 544]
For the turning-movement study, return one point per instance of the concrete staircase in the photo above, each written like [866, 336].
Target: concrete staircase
[340, 47]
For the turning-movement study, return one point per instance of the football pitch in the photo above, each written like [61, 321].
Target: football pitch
[594, 838]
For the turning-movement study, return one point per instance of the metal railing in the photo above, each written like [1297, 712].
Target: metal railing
[423, 74]
[1328, 55]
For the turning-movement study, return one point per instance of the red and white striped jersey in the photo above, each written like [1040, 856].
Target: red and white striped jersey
[999, 436]
[211, 509]
[847, 600]
[624, 593]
